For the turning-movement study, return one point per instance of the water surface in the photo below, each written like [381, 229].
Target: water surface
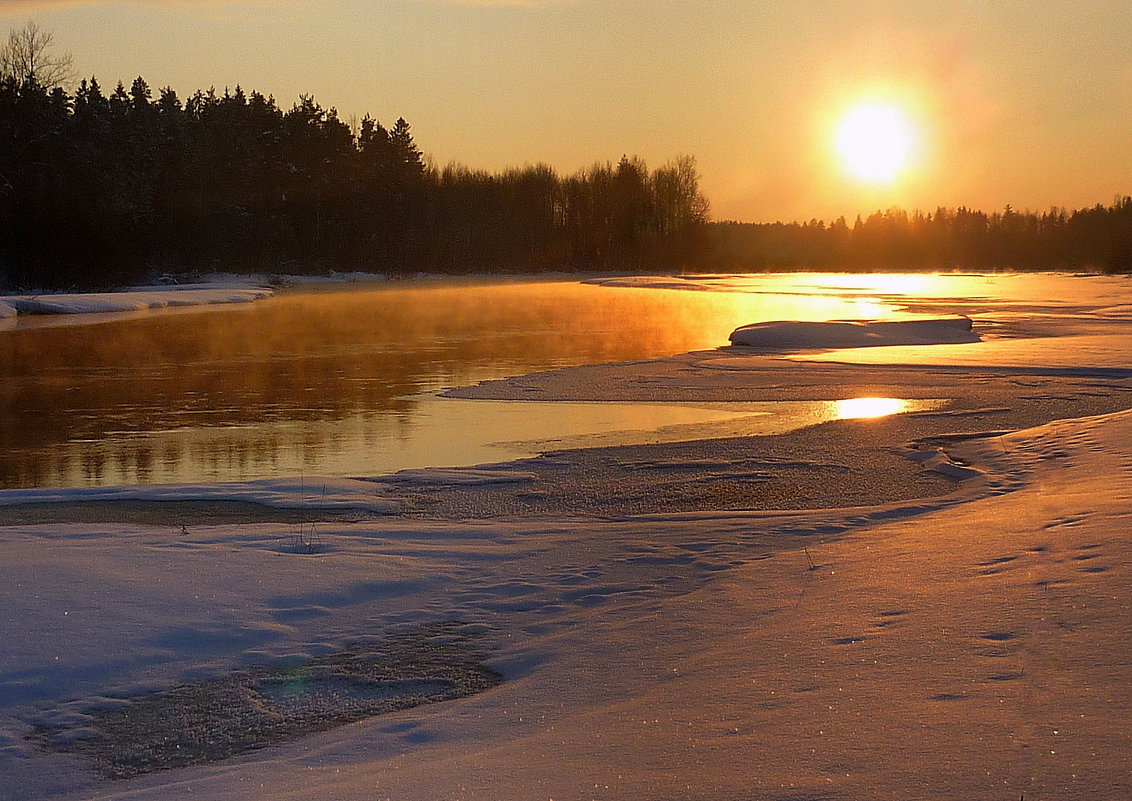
[342, 380]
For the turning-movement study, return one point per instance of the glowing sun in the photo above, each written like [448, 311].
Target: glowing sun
[875, 142]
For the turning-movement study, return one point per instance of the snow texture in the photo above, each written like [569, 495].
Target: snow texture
[321, 492]
[136, 299]
[460, 476]
[794, 335]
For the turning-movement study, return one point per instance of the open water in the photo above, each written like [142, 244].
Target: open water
[343, 379]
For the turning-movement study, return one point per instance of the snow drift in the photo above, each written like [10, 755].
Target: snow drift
[798, 335]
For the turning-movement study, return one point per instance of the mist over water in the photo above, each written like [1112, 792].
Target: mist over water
[341, 380]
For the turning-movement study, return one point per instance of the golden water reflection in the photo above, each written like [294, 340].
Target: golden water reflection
[855, 408]
[287, 384]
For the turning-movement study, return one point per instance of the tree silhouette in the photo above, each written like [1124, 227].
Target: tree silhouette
[99, 189]
[1096, 238]
[27, 58]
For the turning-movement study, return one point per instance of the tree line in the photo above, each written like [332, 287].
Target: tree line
[100, 188]
[1096, 238]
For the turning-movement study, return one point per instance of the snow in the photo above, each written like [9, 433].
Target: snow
[940, 462]
[135, 299]
[1068, 354]
[966, 644]
[318, 493]
[796, 335]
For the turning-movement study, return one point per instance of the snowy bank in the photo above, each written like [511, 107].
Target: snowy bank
[135, 299]
[970, 647]
[311, 493]
[798, 335]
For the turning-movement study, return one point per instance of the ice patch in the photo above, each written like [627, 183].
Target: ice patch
[799, 335]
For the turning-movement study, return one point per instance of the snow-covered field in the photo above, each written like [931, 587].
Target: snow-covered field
[870, 609]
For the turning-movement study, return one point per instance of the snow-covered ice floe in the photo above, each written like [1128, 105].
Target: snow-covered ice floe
[799, 335]
[134, 299]
[310, 493]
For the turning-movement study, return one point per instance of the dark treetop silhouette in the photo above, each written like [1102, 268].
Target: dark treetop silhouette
[98, 190]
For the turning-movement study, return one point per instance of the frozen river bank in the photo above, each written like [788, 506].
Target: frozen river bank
[869, 609]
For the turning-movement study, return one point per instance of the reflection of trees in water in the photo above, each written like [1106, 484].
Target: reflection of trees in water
[192, 455]
[75, 402]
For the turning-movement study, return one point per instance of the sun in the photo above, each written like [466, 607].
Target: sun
[875, 142]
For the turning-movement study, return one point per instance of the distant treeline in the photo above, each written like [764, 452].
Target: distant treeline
[97, 190]
[1097, 238]
[100, 189]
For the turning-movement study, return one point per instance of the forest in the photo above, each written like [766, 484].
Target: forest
[102, 189]
[1096, 239]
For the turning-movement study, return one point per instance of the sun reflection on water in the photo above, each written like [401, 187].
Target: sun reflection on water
[856, 408]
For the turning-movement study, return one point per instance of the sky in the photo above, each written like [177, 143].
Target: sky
[1021, 102]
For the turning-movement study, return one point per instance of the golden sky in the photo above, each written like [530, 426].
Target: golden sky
[1026, 102]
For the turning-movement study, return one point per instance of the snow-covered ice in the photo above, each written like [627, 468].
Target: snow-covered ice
[795, 335]
[134, 299]
[967, 642]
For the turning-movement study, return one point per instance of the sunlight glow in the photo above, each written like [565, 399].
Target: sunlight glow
[856, 408]
[874, 142]
[918, 284]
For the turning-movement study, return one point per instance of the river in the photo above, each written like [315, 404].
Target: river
[343, 379]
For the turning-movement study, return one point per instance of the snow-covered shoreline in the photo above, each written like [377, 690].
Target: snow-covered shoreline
[134, 299]
[320, 493]
[934, 649]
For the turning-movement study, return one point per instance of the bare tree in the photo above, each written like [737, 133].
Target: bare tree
[27, 58]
